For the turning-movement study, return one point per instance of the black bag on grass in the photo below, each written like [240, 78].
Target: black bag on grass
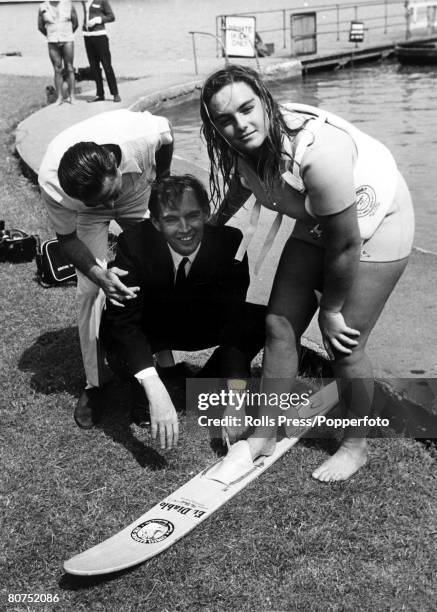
[52, 266]
[16, 245]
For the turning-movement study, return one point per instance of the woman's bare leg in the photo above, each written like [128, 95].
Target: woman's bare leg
[369, 293]
[291, 307]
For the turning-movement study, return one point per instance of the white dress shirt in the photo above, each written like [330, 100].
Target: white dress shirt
[176, 258]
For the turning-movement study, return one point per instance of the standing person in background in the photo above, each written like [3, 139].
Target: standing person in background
[57, 20]
[96, 14]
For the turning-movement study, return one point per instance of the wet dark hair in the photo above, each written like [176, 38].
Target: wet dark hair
[222, 155]
[168, 192]
[83, 169]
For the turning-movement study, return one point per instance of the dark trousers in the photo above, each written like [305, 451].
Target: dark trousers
[97, 50]
[225, 362]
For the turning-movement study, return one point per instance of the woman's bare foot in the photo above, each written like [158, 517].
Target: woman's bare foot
[261, 446]
[349, 458]
[58, 102]
[72, 100]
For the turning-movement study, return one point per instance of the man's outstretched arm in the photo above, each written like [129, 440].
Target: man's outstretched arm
[81, 257]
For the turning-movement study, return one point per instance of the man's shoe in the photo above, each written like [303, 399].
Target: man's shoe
[97, 99]
[89, 408]
[117, 98]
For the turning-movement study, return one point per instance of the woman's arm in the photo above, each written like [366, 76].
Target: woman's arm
[234, 199]
[328, 176]
[342, 257]
[342, 253]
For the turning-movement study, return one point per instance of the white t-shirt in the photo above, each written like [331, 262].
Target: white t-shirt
[139, 136]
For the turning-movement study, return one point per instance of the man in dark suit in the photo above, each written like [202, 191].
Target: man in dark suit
[191, 295]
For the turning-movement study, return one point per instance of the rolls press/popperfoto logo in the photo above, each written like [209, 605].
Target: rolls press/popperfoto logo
[152, 531]
[366, 201]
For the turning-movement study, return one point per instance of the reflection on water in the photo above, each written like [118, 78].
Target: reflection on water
[395, 104]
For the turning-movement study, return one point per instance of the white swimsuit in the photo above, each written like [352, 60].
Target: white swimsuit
[384, 209]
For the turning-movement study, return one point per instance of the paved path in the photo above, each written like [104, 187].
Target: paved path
[402, 346]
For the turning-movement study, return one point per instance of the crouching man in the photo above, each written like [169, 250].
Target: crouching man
[191, 296]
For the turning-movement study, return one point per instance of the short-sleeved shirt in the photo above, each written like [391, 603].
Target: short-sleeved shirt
[58, 21]
[139, 136]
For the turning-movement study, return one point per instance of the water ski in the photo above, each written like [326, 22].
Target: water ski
[180, 512]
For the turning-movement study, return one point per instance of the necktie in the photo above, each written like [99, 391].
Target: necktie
[181, 276]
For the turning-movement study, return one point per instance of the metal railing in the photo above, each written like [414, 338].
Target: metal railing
[221, 45]
[333, 21]
[219, 42]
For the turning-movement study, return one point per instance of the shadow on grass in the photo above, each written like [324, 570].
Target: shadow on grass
[70, 582]
[55, 362]
[328, 445]
[26, 170]
[56, 366]
[117, 425]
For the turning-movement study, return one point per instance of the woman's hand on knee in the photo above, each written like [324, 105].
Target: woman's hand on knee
[337, 336]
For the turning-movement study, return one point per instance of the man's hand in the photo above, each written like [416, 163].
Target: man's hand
[163, 417]
[114, 289]
[94, 21]
[108, 279]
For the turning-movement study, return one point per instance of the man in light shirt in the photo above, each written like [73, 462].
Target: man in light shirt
[94, 172]
[191, 296]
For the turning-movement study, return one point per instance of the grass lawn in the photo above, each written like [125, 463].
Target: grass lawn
[285, 543]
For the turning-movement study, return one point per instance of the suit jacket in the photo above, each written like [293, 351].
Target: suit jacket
[210, 312]
[98, 8]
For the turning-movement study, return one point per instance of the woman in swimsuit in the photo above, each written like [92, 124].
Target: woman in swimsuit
[350, 244]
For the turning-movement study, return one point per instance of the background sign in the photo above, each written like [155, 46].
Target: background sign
[239, 36]
[356, 33]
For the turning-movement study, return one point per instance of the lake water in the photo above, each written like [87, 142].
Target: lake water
[395, 104]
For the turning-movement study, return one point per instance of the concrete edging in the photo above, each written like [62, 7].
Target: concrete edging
[406, 416]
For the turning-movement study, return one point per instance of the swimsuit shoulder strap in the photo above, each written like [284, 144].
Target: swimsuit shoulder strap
[305, 137]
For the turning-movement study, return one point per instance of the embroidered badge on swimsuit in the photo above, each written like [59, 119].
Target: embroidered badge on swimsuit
[316, 231]
[366, 201]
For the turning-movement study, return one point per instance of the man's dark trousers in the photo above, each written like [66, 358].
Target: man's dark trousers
[97, 50]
